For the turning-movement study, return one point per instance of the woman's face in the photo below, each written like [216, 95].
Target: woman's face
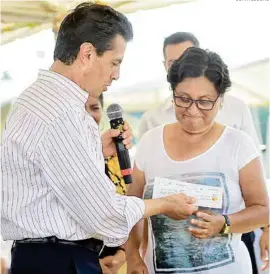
[93, 107]
[194, 119]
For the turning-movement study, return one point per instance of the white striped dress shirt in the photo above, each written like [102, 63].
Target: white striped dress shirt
[53, 180]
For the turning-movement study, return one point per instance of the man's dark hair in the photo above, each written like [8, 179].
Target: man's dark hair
[196, 62]
[93, 23]
[180, 37]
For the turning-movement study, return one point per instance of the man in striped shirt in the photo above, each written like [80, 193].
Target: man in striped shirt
[58, 204]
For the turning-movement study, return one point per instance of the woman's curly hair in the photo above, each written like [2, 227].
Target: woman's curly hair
[197, 62]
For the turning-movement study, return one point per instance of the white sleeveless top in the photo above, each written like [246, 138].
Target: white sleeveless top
[171, 248]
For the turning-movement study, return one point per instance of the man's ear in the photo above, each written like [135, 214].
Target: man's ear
[164, 64]
[87, 54]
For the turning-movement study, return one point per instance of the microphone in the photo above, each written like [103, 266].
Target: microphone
[114, 112]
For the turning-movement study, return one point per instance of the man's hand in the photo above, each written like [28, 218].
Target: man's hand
[264, 246]
[118, 260]
[111, 264]
[180, 206]
[136, 265]
[208, 225]
[104, 265]
[108, 146]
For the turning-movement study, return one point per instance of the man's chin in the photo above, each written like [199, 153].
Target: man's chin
[96, 94]
[99, 91]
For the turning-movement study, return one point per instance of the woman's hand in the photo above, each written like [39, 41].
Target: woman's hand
[208, 225]
[264, 246]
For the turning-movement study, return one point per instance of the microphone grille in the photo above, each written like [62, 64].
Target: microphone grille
[114, 111]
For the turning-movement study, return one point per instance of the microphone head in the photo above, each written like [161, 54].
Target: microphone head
[114, 111]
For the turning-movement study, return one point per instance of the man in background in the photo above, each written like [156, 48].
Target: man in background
[234, 113]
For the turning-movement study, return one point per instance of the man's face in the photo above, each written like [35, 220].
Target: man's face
[174, 51]
[100, 72]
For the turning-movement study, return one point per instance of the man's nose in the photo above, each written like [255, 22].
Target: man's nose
[116, 74]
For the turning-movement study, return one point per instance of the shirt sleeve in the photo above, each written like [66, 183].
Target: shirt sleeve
[144, 126]
[70, 167]
[247, 150]
[248, 125]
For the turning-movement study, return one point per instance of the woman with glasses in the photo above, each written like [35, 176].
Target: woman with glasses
[219, 165]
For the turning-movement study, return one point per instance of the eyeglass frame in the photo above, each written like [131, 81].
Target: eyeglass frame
[192, 101]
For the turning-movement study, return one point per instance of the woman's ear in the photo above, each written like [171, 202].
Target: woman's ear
[221, 102]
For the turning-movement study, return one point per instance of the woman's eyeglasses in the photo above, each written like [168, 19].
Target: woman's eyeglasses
[184, 102]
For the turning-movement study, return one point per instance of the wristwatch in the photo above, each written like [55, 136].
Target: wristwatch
[227, 225]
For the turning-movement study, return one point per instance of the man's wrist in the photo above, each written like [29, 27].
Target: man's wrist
[156, 206]
[165, 206]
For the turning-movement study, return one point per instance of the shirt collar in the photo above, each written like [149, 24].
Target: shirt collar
[69, 87]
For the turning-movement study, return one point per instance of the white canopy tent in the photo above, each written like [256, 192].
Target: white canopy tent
[239, 37]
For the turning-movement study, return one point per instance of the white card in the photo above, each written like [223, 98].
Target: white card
[206, 196]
